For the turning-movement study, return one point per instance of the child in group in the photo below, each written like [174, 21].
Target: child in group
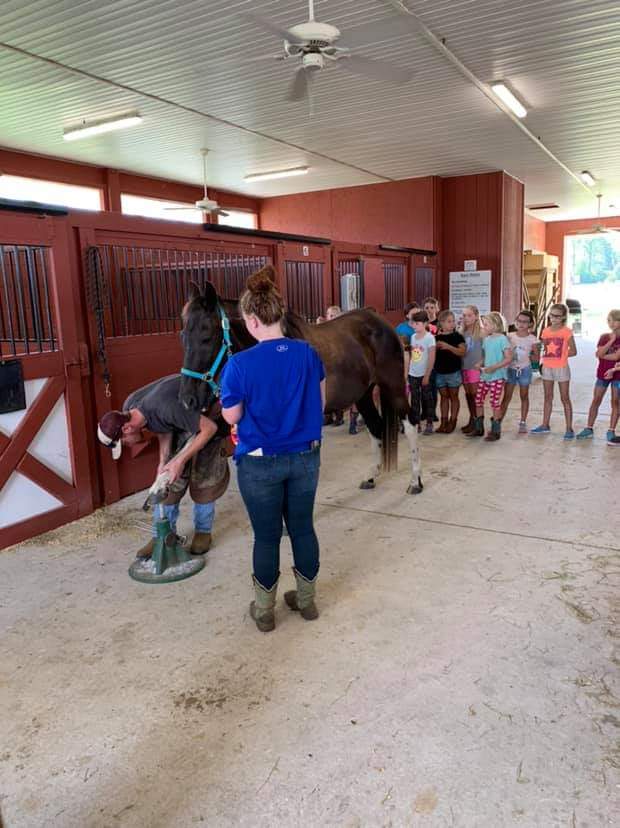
[472, 332]
[607, 352]
[524, 346]
[613, 374]
[450, 350]
[421, 363]
[497, 356]
[558, 346]
[431, 306]
[405, 330]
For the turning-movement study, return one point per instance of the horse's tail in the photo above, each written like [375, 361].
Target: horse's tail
[391, 427]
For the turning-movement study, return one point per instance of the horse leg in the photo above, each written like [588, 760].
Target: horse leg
[411, 433]
[374, 424]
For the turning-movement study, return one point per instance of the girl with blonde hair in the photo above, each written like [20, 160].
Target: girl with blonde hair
[497, 356]
[471, 329]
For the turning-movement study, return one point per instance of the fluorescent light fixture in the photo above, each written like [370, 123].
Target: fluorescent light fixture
[588, 178]
[86, 129]
[277, 174]
[512, 102]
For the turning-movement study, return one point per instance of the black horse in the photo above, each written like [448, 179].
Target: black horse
[359, 351]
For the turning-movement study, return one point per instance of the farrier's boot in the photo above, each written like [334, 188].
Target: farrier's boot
[147, 549]
[496, 431]
[201, 543]
[302, 599]
[261, 608]
[478, 429]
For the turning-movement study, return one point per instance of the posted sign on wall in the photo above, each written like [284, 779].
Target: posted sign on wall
[471, 287]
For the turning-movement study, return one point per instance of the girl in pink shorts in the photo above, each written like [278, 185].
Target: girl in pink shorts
[493, 372]
[472, 332]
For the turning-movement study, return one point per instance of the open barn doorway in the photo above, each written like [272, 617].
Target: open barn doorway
[592, 278]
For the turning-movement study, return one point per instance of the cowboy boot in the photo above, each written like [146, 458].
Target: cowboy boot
[467, 429]
[443, 428]
[451, 426]
[261, 608]
[201, 543]
[496, 431]
[147, 549]
[478, 430]
[302, 599]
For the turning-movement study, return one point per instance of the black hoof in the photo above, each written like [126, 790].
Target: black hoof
[411, 489]
[367, 484]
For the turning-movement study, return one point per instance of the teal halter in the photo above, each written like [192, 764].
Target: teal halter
[226, 350]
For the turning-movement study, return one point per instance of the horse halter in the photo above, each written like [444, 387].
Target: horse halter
[226, 350]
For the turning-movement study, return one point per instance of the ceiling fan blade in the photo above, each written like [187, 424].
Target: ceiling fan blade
[219, 212]
[375, 69]
[181, 208]
[269, 26]
[299, 88]
[380, 30]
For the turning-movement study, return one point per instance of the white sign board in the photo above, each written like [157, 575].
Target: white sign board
[471, 287]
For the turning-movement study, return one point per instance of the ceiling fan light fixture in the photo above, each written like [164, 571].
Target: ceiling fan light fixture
[266, 176]
[501, 91]
[87, 129]
[588, 178]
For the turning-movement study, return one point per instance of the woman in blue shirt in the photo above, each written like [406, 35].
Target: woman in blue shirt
[275, 393]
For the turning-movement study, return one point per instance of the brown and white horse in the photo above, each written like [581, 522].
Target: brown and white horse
[359, 351]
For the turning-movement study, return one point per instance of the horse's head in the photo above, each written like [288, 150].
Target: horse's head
[203, 341]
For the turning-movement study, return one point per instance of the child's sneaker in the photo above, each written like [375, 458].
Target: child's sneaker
[613, 441]
[610, 434]
[586, 434]
[522, 427]
[569, 434]
[541, 429]
[429, 428]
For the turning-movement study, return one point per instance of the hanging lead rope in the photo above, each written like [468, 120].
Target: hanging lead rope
[97, 296]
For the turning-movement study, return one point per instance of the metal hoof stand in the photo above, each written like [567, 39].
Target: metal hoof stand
[169, 562]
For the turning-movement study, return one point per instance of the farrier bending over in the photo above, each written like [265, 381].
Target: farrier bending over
[200, 463]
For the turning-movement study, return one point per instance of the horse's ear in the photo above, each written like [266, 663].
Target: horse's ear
[210, 295]
[194, 291]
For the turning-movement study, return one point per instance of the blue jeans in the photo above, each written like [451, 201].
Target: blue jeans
[204, 513]
[276, 488]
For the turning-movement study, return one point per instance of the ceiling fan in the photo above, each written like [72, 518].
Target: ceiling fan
[599, 228]
[205, 204]
[315, 45]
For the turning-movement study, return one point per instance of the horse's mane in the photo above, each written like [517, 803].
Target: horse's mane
[293, 325]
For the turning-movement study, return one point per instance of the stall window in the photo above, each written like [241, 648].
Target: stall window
[239, 218]
[50, 192]
[133, 205]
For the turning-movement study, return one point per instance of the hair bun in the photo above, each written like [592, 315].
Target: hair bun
[263, 281]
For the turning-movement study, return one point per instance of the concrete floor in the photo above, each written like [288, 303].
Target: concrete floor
[463, 672]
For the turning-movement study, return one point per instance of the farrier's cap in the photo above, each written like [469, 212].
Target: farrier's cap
[109, 431]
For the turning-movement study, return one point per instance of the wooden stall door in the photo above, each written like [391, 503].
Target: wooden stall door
[374, 284]
[45, 479]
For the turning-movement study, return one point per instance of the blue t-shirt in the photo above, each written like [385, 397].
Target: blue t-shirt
[279, 384]
[494, 347]
[405, 329]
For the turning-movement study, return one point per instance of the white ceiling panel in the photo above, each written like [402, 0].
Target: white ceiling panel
[201, 75]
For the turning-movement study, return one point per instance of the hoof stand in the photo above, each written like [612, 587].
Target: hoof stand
[411, 489]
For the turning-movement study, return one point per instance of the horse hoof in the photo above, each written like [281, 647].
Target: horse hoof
[411, 489]
[367, 484]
